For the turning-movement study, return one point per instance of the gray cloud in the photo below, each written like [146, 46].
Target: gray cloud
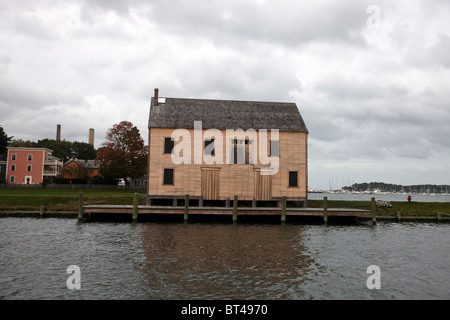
[376, 102]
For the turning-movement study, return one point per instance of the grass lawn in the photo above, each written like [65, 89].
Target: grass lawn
[403, 207]
[66, 197]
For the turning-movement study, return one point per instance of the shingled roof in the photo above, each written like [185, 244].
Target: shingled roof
[225, 114]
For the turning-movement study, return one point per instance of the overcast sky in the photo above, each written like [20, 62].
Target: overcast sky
[370, 78]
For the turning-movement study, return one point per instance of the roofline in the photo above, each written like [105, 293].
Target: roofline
[30, 148]
[229, 100]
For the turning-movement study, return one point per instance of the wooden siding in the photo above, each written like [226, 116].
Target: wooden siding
[229, 179]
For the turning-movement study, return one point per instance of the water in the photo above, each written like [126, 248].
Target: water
[196, 261]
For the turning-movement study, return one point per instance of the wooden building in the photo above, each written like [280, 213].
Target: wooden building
[255, 150]
[81, 169]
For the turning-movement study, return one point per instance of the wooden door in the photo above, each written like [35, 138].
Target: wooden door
[210, 184]
[263, 186]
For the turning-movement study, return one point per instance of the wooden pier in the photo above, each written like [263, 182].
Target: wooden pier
[103, 211]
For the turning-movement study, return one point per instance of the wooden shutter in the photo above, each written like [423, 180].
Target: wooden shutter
[263, 186]
[210, 184]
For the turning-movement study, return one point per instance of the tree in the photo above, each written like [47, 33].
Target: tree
[124, 154]
[4, 141]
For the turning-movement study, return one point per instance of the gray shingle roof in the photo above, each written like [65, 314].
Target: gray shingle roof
[226, 114]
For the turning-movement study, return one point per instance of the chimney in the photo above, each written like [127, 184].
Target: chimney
[58, 132]
[155, 99]
[91, 136]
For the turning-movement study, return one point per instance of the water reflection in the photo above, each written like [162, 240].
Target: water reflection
[217, 261]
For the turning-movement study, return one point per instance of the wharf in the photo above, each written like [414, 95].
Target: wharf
[103, 211]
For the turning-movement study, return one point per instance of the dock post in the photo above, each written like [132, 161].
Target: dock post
[398, 215]
[80, 206]
[135, 206]
[325, 210]
[186, 207]
[235, 204]
[438, 216]
[374, 210]
[42, 211]
[283, 210]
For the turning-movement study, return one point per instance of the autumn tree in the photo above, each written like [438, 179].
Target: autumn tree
[124, 154]
[4, 140]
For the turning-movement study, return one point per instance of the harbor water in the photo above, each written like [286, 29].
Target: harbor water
[210, 261]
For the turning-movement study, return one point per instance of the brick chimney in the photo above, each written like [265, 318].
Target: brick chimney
[155, 99]
[58, 132]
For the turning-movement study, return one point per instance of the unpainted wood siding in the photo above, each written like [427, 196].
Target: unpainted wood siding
[232, 179]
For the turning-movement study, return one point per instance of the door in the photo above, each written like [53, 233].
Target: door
[210, 184]
[28, 179]
[263, 186]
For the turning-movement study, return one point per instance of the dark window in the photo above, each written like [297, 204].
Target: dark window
[12, 179]
[30, 157]
[293, 179]
[274, 148]
[168, 145]
[209, 147]
[13, 167]
[28, 168]
[168, 176]
[13, 157]
[241, 151]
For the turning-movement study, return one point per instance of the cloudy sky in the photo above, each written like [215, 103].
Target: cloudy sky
[370, 78]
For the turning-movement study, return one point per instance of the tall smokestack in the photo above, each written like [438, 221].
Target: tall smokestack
[91, 136]
[155, 100]
[58, 132]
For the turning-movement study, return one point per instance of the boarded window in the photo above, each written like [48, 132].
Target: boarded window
[168, 145]
[209, 147]
[274, 148]
[168, 176]
[240, 153]
[293, 177]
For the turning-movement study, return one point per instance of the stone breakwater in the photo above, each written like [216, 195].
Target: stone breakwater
[383, 203]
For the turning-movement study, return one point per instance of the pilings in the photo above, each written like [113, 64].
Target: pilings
[325, 210]
[283, 210]
[235, 204]
[80, 206]
[186, 207]
[374, 210]
[135, 206]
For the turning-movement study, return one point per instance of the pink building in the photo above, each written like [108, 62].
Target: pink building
[31, 165]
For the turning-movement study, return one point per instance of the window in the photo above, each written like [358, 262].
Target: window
[168, 176]
[274, 148]
[293, 179]
[30, 157]
[240, 153]
[12, 179]
[13, 167]
[28, 168]
[168, 145]
[13, 157]
[209, 147]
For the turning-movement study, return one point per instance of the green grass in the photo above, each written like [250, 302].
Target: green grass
[403, 207]
[65, 197]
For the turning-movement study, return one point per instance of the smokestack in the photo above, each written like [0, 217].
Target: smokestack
[91, 136]
[58, 132]
[155, 100]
